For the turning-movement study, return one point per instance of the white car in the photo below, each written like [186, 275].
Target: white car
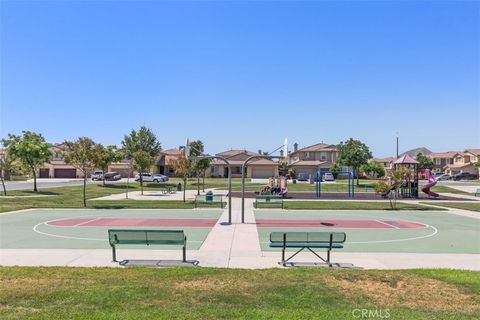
[327, 176]
[97, 175]
[151, 177]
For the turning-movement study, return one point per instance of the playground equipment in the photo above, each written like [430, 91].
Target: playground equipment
[276, 186]
[431, 182]
[409, 184]
[350, 184]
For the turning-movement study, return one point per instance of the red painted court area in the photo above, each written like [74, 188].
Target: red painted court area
[366, 224]
[135, 222]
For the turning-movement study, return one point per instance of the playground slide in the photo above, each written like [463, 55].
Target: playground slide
[431, 182]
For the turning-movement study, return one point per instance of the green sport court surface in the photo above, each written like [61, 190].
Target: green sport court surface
[87, 229]
[379, 231]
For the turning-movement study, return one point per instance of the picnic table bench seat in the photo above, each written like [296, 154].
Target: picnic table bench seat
[307, 240]
[146, 237]
[268, 200]
[209, 199]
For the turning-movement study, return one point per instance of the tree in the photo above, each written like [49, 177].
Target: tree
[30, 149]
[141, 148]
[105, 156]
[283, 168]
[7, 167]
[335, 168]
[183, 169]
[373, 168]
[199, 166]
[424, 162]
[353, 153]
[81, 154]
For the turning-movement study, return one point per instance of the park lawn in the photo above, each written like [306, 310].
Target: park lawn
[445, 189]
[349, 205]
[71, 197]
[209, 293]
[472, 206]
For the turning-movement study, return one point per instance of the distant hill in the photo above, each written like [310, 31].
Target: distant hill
[413, 153]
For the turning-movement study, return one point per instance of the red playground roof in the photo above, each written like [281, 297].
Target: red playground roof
[405, 159]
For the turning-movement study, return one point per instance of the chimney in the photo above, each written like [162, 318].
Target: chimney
[295, 147]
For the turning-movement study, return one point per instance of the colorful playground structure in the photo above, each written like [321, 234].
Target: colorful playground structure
[276, 186]
[350, 183]
[431, 182]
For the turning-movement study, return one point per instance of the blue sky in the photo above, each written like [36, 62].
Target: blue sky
[244, 74]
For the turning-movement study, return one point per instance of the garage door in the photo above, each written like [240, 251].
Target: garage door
[262, 173]
[65, 173]
[44, 173]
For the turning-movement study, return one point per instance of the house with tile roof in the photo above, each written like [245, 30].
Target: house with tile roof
[256, 169]
[464, 162]
[442, 159]
[309, 160]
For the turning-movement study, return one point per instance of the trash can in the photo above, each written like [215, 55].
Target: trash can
[209, 196]
[179, 187]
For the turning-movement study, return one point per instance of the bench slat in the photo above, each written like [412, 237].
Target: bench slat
[308, 237]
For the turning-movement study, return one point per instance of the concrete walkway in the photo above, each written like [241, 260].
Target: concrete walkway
[234, 246]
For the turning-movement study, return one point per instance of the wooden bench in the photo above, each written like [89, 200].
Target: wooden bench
[209, 199]
[147, 237]
[268, 200]
[477, 193]
[307, 240]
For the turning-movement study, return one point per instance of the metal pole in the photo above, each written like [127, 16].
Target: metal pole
[244, 165]
[397, 145]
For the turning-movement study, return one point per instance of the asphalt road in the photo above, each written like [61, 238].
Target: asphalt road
[51, 183]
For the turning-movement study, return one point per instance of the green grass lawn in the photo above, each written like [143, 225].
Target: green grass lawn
[472, 206]
[207, 293]
[445, 189]
[348, 205]
[71, 197]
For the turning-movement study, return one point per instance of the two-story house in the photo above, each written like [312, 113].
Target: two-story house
[163, 161]
[464, 162]
[309, 160]
[387, 163]
[442, 159]
[256, 169]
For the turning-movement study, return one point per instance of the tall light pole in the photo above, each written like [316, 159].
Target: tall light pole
[397, 145]
[244, 166]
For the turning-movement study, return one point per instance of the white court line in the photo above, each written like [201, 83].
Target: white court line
[387, 224]
[85, 222]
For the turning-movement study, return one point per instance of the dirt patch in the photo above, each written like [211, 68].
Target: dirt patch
[409, 291]
[214, 284]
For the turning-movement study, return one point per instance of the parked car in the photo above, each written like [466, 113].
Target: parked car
[327, 176]
[438, 174]
[444, 176]
[97, 175]
[303, 177]
[464, 176]
[151, 177]
[112, 176]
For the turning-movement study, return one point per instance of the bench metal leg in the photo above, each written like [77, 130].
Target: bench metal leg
[185, 251]
[114, 254]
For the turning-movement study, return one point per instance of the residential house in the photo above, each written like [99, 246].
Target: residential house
[57, 168]
[464, 162]
[442, 159]
[256, 169]
[387, 163]
[164, 159]
[313, 158]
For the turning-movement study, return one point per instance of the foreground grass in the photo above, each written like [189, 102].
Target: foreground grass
[349, 205]
[472, 206]
[205, 293]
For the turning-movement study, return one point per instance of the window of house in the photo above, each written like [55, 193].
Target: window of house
[449, 161]
[307, 155]
[323, 156]
[438, 161]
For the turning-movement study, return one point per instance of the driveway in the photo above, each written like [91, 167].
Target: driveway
[51, 183]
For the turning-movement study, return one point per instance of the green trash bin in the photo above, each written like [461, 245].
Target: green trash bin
[209, 196]
[179, 187]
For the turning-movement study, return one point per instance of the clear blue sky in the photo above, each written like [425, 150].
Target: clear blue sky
[244, 74]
